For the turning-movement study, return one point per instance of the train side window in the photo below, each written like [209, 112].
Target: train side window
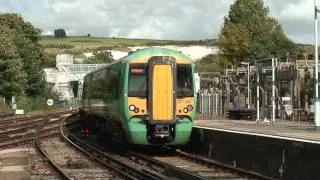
[114, 84]
[84, 90]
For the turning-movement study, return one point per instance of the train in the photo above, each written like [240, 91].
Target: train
[146, 98]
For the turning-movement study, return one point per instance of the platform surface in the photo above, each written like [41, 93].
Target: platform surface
[287, 130]
[14, 164]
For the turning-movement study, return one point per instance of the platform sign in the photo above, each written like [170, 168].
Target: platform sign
[50, 102]
[263, 63]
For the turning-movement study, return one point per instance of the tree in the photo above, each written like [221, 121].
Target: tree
[60, 33]
[25, 40]
[249, 33]
[12, 76]
[100, 57]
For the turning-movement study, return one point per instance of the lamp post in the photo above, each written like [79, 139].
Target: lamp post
[248, 74]
[316, 101]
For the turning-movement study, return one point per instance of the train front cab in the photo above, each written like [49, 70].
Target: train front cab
[161, 101]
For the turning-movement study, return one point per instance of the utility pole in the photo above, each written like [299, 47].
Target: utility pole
[316, 100]
[273, 90]
[258, 103]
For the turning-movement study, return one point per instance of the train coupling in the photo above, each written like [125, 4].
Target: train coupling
[161, 131]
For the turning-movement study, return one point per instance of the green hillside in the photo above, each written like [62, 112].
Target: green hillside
[79, 44]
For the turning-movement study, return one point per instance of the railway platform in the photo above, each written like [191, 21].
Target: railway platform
[285, 130]
[14, 164]
[282, 150]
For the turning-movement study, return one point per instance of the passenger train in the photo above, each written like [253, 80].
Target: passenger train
[145, 98]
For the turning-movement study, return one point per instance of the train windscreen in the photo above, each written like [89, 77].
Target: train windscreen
[137, 81]
[184, 81]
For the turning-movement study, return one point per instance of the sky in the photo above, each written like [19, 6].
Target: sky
[154, 19]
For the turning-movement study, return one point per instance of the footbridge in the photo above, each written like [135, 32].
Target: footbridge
[66, 76]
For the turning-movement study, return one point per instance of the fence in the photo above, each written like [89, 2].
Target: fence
[209, 102]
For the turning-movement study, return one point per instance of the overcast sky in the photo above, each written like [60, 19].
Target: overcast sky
[158, 19]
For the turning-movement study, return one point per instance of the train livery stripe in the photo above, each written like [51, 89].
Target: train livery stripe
[162, 92]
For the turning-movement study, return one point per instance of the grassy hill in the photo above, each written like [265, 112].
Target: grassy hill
[78, 44]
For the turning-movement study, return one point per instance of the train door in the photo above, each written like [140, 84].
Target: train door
[161, 87]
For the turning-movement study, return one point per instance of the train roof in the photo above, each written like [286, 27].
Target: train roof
[152, 51]
[155, 51]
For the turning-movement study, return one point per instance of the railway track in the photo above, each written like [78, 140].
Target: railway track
[124, 163]
[13, 119]
[14, 132]
[68, 161]
[203, 167]
[173, 164]
[127, 164]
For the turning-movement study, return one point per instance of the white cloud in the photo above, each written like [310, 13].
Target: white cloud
[160, 19]
[302, 10]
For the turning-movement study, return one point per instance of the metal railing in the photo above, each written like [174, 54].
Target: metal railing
[209, 102]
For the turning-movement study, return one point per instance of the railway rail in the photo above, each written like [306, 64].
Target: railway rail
[14, 133]
[67, 160]
[14, 119]
[206, 168]
[226, 168]
[128, 164]
[124, 163]
[180, 165]
[194, 167]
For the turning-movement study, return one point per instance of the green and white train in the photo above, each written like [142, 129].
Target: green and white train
[145, 98]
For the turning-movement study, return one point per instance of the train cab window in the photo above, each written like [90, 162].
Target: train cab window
[137, 81]
[184, 81]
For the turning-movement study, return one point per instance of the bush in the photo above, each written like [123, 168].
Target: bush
[86, 41]
[39, 102]
[59, 46]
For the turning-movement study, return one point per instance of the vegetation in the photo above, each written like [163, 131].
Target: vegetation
[21, 59]
[59, 46]
[40, 101]
[89, 43]
[210, 63]
[60, 33]
[13, 79]
[77, 45]
[248, 33]
[100, 57]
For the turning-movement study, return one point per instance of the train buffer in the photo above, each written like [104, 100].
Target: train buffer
[242, 114]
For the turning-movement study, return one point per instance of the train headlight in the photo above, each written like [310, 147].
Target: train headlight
[185, 110]
[132, 107]
[190, 107]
